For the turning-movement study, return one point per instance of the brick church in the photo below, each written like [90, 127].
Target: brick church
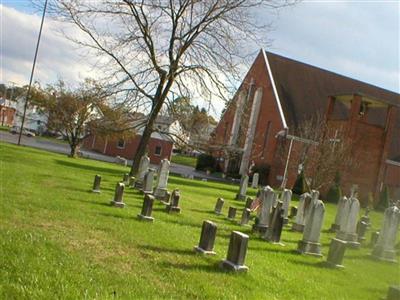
[279, 94]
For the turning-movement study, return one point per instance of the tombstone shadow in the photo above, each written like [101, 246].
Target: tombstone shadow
[319, 264]
[167, 250]
[88, 168]
[211, 268]
[118, 216]
[181, 222]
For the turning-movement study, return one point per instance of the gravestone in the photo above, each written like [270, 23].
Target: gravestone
[293, 212]
[365, 217]
[339, 214]
[244, 182]
[267, 197]
[314, 196]
[131, 182]
[143, 168]
[245, 217]
[147, 208]
[125, 178]
[336, 252]
[286, 199]
[385, 246]
[118, 196]
[254, 183]
[249, 202]
[236, 253]
[232, 213]
[302, 210]
[218, 206]
[96, 184]
[162, 179]
[173, 206]
[310, 244]
[362, 228]
[348, 224]
[374, 238]
[207, 238]
[167, 198]
[274, 230]
[148, 182]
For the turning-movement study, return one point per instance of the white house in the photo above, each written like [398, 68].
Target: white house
[35, 118]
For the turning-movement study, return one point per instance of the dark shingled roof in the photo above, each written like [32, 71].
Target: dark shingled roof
[304, 89]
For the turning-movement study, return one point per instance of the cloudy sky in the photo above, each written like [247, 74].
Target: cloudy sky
[359, 39]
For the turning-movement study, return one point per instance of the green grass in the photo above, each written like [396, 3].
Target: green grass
[184, 160]
[59, 240]
[4, 128]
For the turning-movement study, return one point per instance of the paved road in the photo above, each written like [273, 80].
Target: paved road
[59, 147]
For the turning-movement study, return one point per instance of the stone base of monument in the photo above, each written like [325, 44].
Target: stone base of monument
[230, 266]
[350, 238]
[262, 229]
[309, 248]
[385, 255]
[172, 209]
[117, 204]
[138, 185]
[160, 194]
[145, 218]
[95, 191]
[148, 192]
[334, 228]
[202, 251]
[240, 197]
[297, 227]
[332, 265]
[285, 221]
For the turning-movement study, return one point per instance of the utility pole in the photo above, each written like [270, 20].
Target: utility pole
[33, 70]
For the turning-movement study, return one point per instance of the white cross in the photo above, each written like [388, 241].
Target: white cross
[335, 139]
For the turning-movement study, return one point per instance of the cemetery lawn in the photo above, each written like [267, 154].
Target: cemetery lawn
[184, 160]
[59, 240]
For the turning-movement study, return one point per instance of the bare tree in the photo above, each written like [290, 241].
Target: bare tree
[148, 48]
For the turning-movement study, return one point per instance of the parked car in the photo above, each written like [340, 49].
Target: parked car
[27, 132]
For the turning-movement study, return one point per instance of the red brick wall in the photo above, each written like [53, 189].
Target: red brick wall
[110, 148]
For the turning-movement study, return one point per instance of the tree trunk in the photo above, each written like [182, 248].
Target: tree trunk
[74, 150]
[141, 150]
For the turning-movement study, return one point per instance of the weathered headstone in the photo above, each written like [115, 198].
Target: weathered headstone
[274, 231]
[302, 210]
[162, 179]
[249, 202]
[232, 213]
[286, 199]
[143, 168]
[365, 217]
[267, 197]
[244, 182]
[167, 198]
[348, 224]
[218, 206]
[314, 196]
[385, 246]
[339, 214]
[173, 206]
[148, 182]
[147, 208]
[336, 252]
[118, 195]
[374, 238]
[254, 183]
[96, 184]
[310, 243]
[245, 217]
[207, 238]
[362, 228]
[131, 182]
[236, 253]
[125, 178]
[293, 212]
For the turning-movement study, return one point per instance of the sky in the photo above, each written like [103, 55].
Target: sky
[359, 39]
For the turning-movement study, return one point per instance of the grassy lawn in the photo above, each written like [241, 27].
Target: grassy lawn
[184, 160]
[59, 240]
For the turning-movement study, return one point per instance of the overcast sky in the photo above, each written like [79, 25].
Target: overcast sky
[359, 39]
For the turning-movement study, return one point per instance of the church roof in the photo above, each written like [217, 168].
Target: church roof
[303, 90]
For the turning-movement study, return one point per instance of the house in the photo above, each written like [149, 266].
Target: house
[35, 118]
[160, 145]
[199, 139]
[278, 94]
[7, 112]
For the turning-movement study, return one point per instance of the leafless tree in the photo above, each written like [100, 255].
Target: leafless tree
[149, 48]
